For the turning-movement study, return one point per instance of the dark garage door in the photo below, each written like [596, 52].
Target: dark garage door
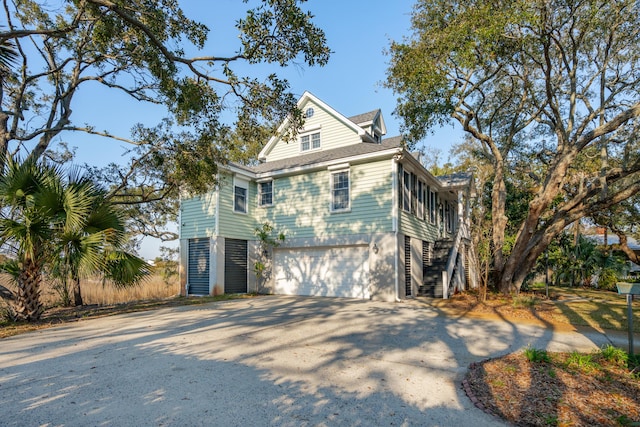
[235, 266]
[198, 273]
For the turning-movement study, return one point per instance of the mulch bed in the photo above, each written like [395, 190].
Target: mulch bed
[555, 393]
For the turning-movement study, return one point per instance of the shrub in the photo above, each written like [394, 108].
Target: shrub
[583, 362]
[524, 301]
[536, 356]
[614, 355]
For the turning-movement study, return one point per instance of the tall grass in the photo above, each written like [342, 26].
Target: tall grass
[93, 292]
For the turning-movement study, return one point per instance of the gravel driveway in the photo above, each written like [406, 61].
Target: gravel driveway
[285, 361]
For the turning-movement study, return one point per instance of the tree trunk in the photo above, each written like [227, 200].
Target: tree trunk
[28, 306]
[624, 247]
[4, 138]
[499, 219]
[531, 240]
[77, 295]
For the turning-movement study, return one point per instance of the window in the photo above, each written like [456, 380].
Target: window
[414, 198]
[265, 193]
[239, 199]
[340, 191]
[400, 186]
[420, 200]
[432, 207]
[447, 215]
[310, 142]
[406, 200]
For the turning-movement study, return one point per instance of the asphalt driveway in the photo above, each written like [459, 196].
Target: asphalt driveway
[285, 361]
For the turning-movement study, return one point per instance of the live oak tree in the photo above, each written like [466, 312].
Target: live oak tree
[550, 88]
[153, 53]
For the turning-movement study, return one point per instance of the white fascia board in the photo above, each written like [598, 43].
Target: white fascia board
[241, 173]
[306, 97]
[417, 165]
[325, 165]
[383, 126]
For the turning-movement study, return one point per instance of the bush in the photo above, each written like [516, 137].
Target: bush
[607, 279]
[534, 355]
[614, 355]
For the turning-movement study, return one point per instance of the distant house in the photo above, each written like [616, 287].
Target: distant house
[613, 239]
[362, 217]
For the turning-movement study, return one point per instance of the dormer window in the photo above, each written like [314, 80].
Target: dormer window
[310, 142]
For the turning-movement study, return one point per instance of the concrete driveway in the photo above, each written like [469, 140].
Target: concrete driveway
[285, 361]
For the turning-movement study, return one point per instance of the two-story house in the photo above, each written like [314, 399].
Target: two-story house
[362, 218]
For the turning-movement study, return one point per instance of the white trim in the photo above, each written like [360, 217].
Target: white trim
[394, 194]
[217, 220]
[310, 129]
[240, 182]
[324, 165]
[309, 135]
[259, 193]
[331, 189]
[339, 166]
[240, 173]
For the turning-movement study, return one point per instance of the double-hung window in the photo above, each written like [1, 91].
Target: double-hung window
[310, 142]
[265, 193]
[240, 192]
[340, 189]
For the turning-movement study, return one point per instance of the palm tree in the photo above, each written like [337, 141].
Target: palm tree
[96, 244]
[32, 203]
[8, 56]
[62, 225]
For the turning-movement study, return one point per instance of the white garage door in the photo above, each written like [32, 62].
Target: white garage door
[336, 272]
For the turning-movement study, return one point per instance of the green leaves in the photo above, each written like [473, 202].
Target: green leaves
[63, 225]
[150, 51]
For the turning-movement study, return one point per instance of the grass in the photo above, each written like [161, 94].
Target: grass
[534, 355]
[598, 309]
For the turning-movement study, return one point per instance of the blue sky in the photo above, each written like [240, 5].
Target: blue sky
[358, 32]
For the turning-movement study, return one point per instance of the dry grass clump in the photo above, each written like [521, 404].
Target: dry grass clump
[94, 292]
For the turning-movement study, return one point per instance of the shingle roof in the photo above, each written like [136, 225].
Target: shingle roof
[364, 117]
[328, 155]
[455, 179]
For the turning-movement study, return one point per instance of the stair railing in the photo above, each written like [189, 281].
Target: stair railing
[449, 280]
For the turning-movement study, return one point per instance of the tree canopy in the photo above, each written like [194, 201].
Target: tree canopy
[153, 53]
[551, 91]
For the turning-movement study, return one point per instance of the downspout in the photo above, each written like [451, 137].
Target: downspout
[182, 271]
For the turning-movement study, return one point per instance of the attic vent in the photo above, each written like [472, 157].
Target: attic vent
[309, 112]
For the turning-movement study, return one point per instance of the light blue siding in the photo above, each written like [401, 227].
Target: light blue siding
[236, 225]
[301, 205]
[198, 216]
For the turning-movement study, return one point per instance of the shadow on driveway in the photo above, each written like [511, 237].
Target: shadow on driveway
[286, 361]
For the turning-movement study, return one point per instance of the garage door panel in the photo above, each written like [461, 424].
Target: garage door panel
[340, 272]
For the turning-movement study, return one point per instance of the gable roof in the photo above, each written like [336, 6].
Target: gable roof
[365, 117]
[369, 118]
[304, 99]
